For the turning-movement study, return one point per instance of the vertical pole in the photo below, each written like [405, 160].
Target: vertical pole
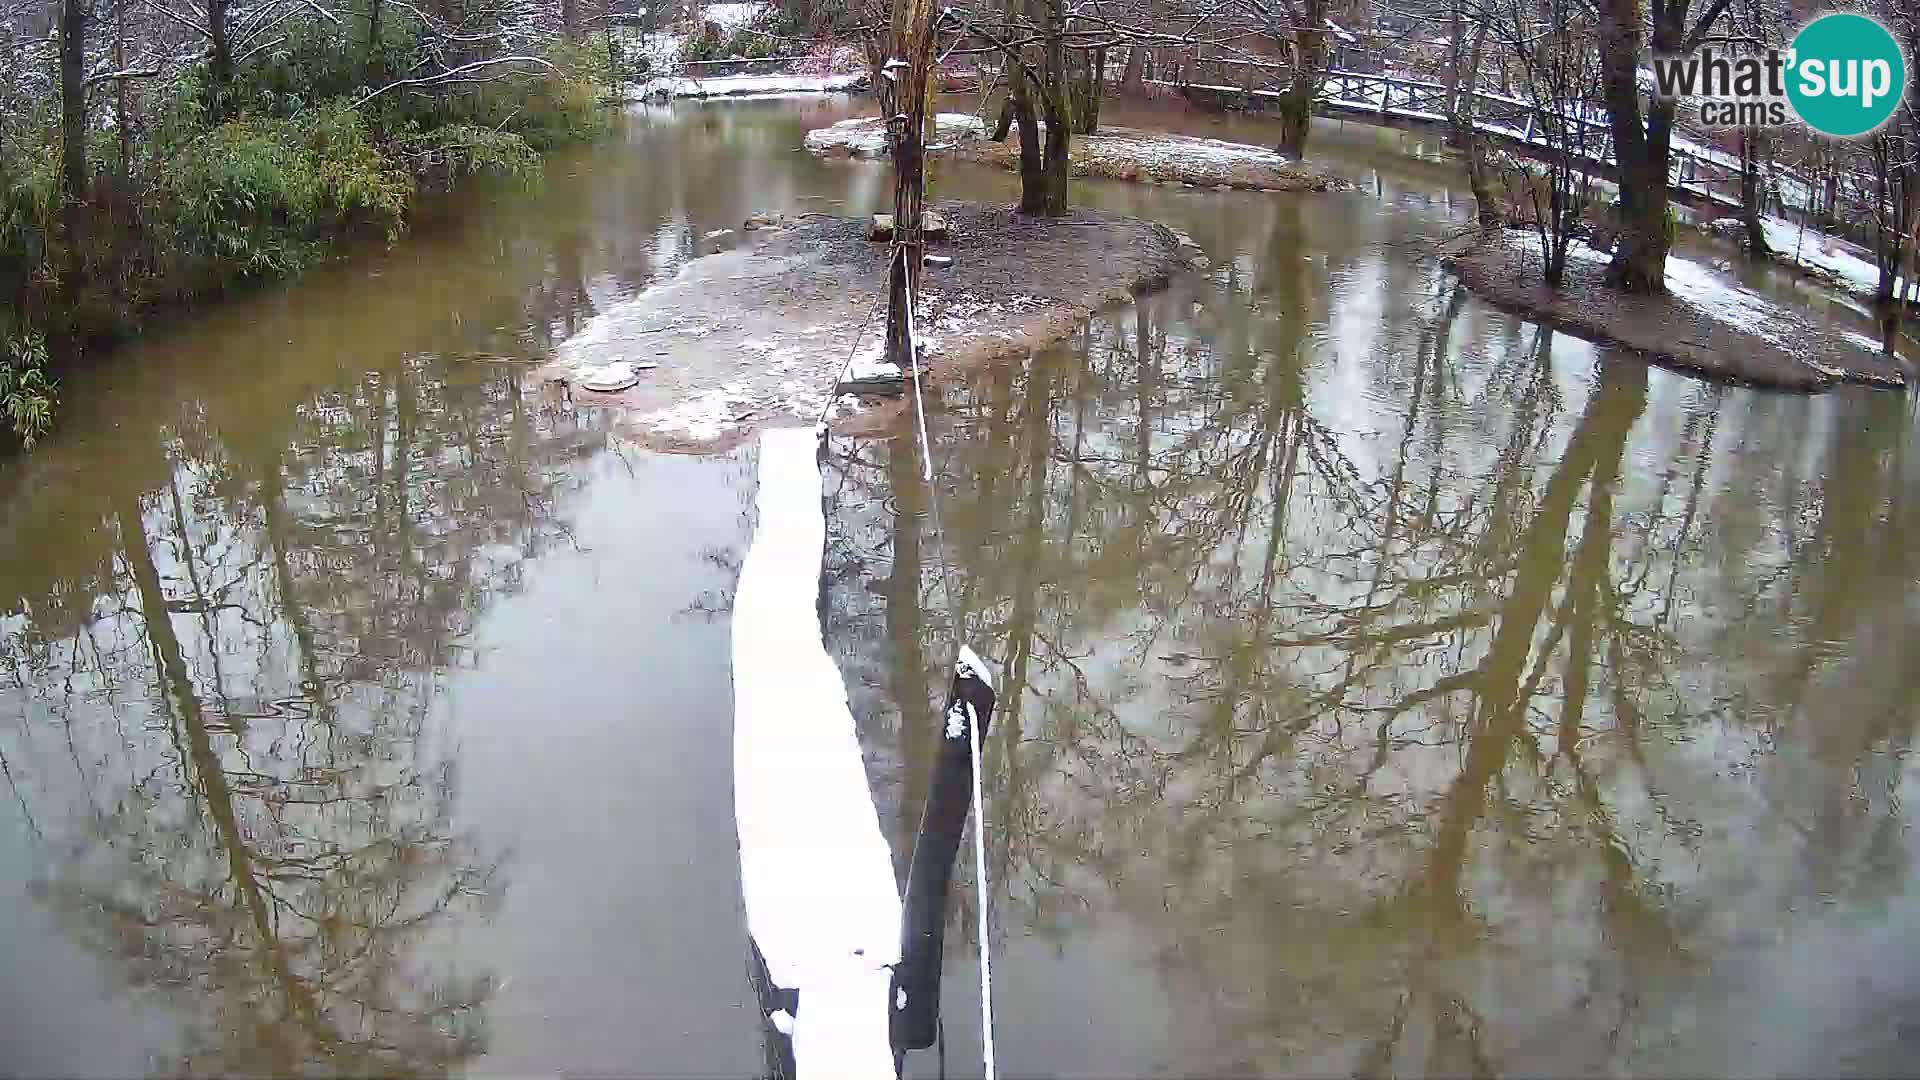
[903, 98]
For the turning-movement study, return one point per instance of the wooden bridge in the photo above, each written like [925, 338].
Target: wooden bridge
[1699, 176]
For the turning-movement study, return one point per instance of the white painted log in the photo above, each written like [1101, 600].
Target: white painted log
[815, 869]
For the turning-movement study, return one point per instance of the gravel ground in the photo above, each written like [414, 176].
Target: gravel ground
[760, 335]
[1781, 350]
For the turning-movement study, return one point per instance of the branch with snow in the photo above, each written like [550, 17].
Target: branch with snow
[461, 74]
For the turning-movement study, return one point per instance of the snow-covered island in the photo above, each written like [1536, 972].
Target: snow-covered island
[785, 329]
[1116, 153]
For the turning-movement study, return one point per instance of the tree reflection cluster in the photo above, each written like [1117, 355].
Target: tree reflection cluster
[229, 735]
[1440, 694]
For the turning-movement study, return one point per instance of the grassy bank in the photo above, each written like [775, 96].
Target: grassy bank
[214, 183]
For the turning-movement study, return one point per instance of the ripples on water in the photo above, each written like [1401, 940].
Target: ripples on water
[1389, 684]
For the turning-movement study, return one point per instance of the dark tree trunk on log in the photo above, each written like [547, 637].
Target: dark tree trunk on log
[915, 1021]
[1005, 123]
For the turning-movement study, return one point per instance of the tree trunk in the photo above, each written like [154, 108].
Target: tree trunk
[1904, 178]
[375, 8]
[1133, 77]
[1886, 243]
[1086, 82]
[120, 90]
[570, 19]
[1472, 144]
[220, 59]
[1456, 31]
[73, 138]
[1296, 113]
[1053, 104]
[1640, 147]
[1033, 196]
[1005, 123]
[1751, 194]
[903, 99]
[1309, 61]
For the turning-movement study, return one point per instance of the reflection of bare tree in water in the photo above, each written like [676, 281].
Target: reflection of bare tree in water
[272, 850]
[1357, 722]
[274, 894]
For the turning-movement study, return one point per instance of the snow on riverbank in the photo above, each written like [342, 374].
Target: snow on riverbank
[760, 335]
[1115, 152]
[748, 86]
[1821, 254]
[732, 16]
[1707, 323]
[815, 871]
[864, 136]
[1711, 290]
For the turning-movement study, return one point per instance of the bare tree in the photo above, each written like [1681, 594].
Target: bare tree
[1552, 45]
[1643, 133]
[1462, 75]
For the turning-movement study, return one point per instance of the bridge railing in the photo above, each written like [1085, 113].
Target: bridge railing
[1702, 171]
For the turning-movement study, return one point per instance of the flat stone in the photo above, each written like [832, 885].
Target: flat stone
[933, 226]
[610, 378]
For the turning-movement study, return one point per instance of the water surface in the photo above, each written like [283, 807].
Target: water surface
[1388, 684]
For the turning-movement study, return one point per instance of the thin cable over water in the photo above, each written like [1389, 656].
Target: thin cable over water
[973, 727]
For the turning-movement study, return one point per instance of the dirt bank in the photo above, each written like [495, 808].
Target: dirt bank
[762, 333]
[1707, 325]
[1115, 153]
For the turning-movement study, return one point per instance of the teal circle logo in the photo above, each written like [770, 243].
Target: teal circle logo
[1846, 76]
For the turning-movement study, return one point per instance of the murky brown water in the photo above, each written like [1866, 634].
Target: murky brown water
[1389, 686]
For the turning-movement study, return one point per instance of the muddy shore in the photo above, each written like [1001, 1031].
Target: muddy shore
[1721, 334]
[763, 333]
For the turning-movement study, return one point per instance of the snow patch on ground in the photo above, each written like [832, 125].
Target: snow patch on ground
[748, 86]
[1165, 149]
[868, 366]
[815, 871]
[663, 50]
[731, 17]
[1731, 302]
[1707, 289]
[703, 417]
[865, 136]
[1864, 341]
[1822, 254]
